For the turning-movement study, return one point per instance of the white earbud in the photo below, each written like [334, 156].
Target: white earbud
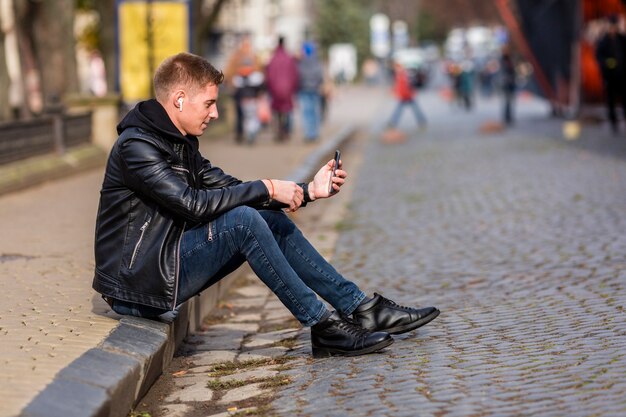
[180, 104]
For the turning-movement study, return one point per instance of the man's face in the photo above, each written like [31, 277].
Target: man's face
[198, 110]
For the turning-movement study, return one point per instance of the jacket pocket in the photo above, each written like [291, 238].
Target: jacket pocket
[143, 229]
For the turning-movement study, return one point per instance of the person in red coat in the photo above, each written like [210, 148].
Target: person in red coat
[282, 83]
[403, 90]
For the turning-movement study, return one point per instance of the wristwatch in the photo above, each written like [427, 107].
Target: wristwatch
[305, 190]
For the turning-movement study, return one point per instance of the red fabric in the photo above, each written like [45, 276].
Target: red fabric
[282, 80]
[591, 78]
[402, 87]
[598, 9]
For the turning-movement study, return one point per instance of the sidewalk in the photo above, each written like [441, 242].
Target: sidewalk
[50, 315]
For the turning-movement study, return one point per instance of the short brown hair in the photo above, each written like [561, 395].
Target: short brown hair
[184, 70]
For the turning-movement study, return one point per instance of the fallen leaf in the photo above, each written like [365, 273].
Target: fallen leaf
[179, 373]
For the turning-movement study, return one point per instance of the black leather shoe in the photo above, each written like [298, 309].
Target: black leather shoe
[383, 315]
[340, 336]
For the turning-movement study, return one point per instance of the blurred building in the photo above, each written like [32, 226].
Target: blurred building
[264, 20]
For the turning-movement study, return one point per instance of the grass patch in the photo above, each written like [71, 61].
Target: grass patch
[289, 343]
[262, 411]
[265, 383]
[139, 414]
[344, 225]
[229, 368]
[274, 382]
[285, 368]
[414, 198]
[289, 324]
[219, 385]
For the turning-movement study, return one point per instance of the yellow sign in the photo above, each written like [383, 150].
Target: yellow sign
[170, 35]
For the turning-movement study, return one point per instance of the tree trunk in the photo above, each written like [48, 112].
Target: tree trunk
[53, 35]
[5, 111]
[203, 22]
[107, 11]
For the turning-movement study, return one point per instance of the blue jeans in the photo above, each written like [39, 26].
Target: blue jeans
[311, 114]
[397, 113]
[276, 251]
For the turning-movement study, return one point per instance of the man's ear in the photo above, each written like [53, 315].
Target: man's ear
[178, 99]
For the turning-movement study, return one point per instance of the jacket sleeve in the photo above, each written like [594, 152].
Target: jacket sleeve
[147, 172]
[214, 177]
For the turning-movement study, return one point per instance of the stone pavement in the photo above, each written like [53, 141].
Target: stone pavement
[49, 316]
[517, 236]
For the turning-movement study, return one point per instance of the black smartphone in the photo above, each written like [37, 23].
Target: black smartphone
[331, 190]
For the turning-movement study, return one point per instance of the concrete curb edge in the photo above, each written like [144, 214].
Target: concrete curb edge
[108, 380]
[36, 170]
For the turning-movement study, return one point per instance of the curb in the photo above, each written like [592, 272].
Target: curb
[38, 169]
[108, 380]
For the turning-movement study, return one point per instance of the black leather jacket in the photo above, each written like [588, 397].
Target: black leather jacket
[156, 186]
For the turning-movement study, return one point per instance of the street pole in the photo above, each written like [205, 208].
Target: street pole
[575, 65]
[150, 43]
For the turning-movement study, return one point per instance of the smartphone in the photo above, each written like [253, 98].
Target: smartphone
[331, 190]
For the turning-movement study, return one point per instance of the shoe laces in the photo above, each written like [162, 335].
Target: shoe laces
[390, 303]
[351, 326]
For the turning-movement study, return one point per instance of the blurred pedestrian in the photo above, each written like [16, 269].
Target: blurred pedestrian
[509, 85]
[465, 83]
[487, 77]
[241, 65]
[611, 56]
[311, 76]
[170, 224]
[405, 94]
[370, 71]
[327, 91]
[282, 84]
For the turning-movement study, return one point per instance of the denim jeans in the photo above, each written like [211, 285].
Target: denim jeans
[276, 251]
[397, 113]
[311, 114]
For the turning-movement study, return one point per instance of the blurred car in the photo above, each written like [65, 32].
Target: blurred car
[415, 62]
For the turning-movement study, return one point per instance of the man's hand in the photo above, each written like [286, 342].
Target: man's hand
[287, 192]
[318, 188]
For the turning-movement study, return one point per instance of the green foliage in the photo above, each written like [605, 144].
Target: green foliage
[139, 414]
[344, 21]
[85, 4]
[428, 27]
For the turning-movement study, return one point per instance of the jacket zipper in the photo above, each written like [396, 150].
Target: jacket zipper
[176, 275]
[177, 267]
[181, 169]
[210, 237]
[143, 231]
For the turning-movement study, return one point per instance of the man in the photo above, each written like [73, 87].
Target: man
[170, 224]
[611, 56]
[509, 83]
[241, 65]
[311, 75]
[405, 94]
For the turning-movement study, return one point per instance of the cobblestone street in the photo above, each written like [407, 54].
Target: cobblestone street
[519, 238]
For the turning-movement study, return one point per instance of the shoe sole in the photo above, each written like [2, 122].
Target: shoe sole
[412, 326]
[326, 352]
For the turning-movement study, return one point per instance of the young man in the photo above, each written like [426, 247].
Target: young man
[170, 224]
[405, 93]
